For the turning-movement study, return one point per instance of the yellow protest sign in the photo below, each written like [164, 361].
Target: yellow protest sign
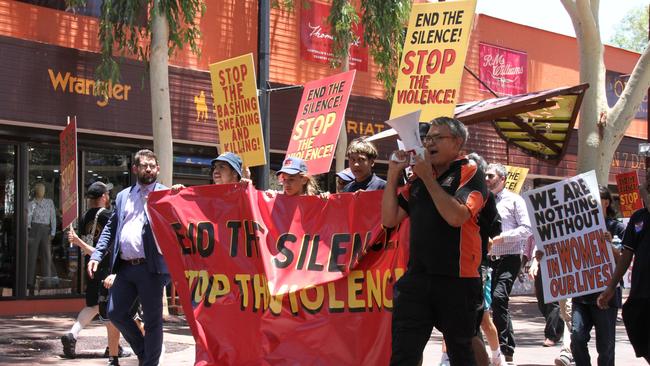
[237, 109]
[432, 63]
[515, 178]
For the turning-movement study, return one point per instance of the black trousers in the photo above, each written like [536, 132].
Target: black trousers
[554, 324]
[504, 272]
[424, 301]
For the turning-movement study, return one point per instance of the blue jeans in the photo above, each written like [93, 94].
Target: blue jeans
[585, 317]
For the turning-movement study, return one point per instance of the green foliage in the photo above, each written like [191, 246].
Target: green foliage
[125, 28]
[385, 24]
[343, 19]
[286, 5]
[631, 32]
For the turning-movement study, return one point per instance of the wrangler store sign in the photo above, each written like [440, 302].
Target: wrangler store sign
[44, 84]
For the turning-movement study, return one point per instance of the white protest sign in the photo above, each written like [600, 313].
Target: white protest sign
[569, 227]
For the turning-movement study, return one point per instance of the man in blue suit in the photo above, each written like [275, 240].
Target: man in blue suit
[137, 261]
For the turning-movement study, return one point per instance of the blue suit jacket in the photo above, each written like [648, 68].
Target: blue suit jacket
[109, 239]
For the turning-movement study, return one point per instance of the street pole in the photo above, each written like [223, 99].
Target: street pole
[263, 62]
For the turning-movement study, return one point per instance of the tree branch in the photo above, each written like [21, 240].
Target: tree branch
[587, 19]
[635, 89]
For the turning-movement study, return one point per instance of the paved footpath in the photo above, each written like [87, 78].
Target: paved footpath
[34, 340]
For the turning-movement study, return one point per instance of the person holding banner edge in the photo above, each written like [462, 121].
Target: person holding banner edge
[361, 156]
[140, 267]
[505, 253]
[441, 286]
[636, 244]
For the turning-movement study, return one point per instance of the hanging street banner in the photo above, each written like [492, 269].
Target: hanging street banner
[316, 39]
[237, 109]
[319, 119]
[504, 70]
[69, 201]
[515, 178]
[614, 84]
[628, 193]
[432, 63]
[263, 277]
[569, 227]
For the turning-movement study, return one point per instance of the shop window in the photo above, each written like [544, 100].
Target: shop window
[47, 264]
[7, 220]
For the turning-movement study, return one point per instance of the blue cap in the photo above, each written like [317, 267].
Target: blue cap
[232, 159]
[346, 175]
[293, 165]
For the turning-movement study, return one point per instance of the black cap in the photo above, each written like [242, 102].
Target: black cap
[97, 189]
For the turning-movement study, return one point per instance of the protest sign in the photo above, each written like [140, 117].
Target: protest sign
[628, 193]
[569, 226]
[69, 201]
[431, 67]
[515, 178]
[319, 119]
[237, 109]
[263, 279]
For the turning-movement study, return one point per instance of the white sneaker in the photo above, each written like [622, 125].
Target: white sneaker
[498, 360]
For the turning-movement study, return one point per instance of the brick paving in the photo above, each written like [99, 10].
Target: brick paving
[34, 340]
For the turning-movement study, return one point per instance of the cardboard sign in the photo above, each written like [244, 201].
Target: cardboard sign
[319, 119]
[432, 63]
[515, 178]
[628, 193]
[237, 108]
[69, 201]
[569, 226]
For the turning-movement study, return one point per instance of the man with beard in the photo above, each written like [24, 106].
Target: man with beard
[505, 254]
[441, 286]
[137, 261]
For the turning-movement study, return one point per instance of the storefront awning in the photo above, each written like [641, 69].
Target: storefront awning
[540, 123]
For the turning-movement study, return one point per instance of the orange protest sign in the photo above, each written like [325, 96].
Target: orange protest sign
[628, 193]
[319, 120]
[69, 202]
[238, 112]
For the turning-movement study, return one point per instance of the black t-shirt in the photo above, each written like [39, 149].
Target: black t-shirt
[86, 226]
[637, 239]
[489, 223]
[372, 183]
[437, 248]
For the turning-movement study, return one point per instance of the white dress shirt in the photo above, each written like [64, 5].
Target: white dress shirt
[515, 224]
[131, 246]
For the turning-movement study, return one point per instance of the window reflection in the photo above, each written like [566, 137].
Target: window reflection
[7, 220]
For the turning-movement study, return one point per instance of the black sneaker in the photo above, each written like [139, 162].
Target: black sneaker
[113, 361]
[69, 343]
[120, 353]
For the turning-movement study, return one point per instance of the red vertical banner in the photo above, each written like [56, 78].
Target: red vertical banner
[505, 71]
[319, 120]
[316, 39]
[628, 193]
[69, 202]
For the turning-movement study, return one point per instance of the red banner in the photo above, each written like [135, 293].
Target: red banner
[292, 280]
[316, 39]
[505, 71]
[69, 202]
[319, 120]
[628, 193]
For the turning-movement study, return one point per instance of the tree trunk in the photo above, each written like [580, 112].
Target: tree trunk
[161, 119]
[342, 143]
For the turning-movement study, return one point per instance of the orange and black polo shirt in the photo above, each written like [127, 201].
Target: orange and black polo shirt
[437, 248]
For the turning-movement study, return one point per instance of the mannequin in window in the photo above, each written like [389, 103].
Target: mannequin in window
[41, 225]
